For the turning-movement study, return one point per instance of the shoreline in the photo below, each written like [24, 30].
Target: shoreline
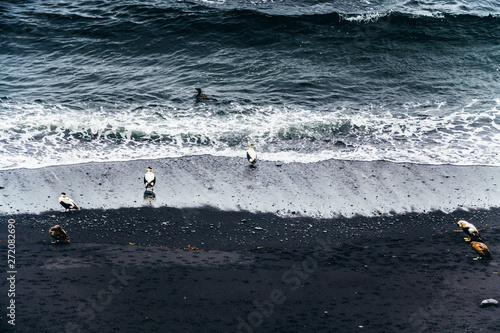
[238, 155]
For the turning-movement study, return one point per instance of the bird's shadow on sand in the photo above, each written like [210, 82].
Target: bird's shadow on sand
[149, 196]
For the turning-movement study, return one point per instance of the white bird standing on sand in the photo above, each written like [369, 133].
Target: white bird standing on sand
[470, 230]
[67, 202]
[252, 155]
[149, 178]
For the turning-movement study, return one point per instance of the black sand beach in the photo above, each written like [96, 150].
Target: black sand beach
[301, 260]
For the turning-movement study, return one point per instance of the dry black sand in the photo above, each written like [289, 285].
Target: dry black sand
[135, 269]
[166, 269]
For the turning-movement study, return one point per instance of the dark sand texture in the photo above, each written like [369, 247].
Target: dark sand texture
[203, 269]
[393, 281]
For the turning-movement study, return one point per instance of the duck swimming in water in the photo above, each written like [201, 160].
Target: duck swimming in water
[201, 96]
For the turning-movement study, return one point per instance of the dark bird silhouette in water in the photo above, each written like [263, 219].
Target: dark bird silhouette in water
[58, 234]
[201, 96]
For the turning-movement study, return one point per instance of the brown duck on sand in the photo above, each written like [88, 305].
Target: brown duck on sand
[59, 234]
[481, 249]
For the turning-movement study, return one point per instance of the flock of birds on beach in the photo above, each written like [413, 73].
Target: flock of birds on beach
[474, 239]
[58, 233]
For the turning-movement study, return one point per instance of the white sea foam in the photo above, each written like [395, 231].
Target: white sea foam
[37, 135]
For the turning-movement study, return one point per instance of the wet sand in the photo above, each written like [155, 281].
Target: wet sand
[160, 268]
[324, 189]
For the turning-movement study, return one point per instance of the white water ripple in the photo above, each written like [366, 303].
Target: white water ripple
[37, 135]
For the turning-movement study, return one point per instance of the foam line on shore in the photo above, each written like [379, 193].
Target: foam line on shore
[324, 189]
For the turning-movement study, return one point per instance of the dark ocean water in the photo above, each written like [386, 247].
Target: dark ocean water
[413, 81]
